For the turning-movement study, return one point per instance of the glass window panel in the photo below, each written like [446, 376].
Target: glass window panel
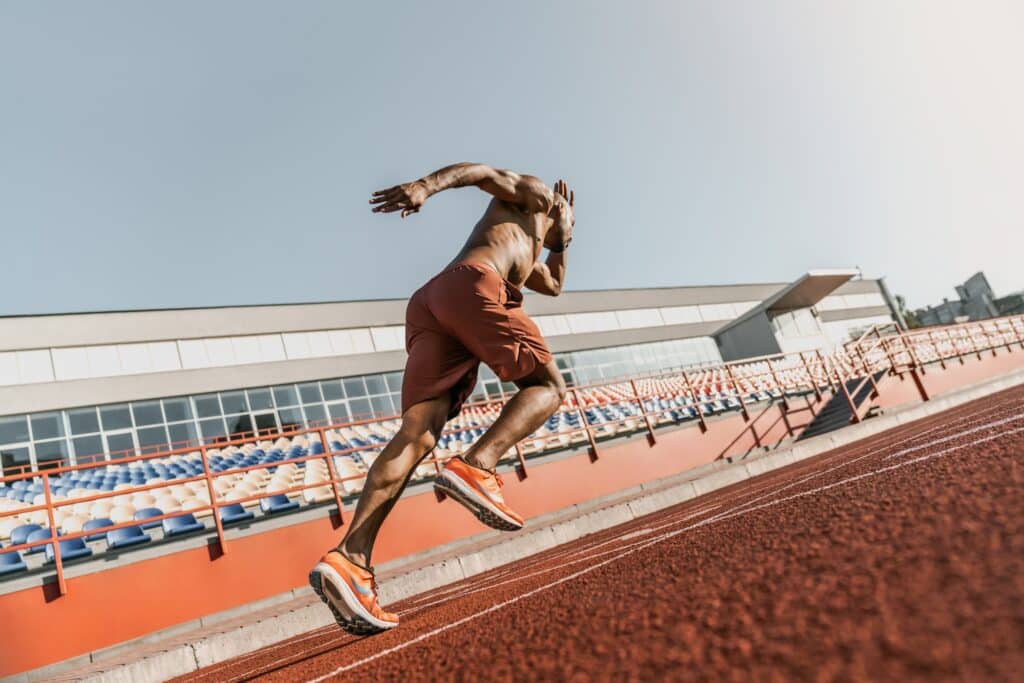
[382, 406]
[332, 390]
[315, 413]
[177, 409]
[266, 423]
[147, 413]
[87, 448]
[339, 411]
[54, 452]
[13, 459]
[286, 396]
[290, 418]
[211, 428]
[360, 408]
[47, 426]
[13, 429]
[83, 421]
[260, 399]
[153, 439]
[240, 425]
[354, 387]
[492, 388]
[310, 392]
[234, 402]
[375, 385]
[508, 388]
[120, 445]
[207, 405]
[394, 381]
[182, 435]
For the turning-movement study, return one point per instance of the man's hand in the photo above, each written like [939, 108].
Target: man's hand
[407, 198]
[564, 212]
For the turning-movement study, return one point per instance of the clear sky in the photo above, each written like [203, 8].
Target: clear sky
[194, 153]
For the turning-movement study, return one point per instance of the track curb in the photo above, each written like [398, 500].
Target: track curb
[193, 653]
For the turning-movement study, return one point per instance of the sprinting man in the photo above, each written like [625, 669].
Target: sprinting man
[470, 312]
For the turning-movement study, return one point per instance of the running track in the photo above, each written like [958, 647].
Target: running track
[898, 557]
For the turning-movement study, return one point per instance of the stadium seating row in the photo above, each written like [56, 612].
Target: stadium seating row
[266, 474]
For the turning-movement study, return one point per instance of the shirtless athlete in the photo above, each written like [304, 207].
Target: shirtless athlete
[470, 312]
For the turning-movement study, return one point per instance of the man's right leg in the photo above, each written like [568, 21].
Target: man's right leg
[540, 394]
[471, 479]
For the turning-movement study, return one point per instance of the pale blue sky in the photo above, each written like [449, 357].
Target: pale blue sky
[204, 153]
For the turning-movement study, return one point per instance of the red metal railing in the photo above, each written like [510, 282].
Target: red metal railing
[702, 391]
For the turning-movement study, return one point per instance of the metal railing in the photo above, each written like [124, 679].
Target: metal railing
[645, 401]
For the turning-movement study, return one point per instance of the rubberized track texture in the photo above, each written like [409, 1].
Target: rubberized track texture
[899, 557]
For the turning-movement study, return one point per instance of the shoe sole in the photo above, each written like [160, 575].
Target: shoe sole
[454, 489]
[350, 621]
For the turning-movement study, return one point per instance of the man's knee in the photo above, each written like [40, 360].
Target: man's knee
[418, 437]
[558, 385]
[550, 377]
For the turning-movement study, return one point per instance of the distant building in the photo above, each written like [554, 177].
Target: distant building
[1011, 304]
[977, 301]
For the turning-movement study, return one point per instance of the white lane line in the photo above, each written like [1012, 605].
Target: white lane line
[652, 542]
[877, 451]
[523, 577]
[636, 534]
[974, 430]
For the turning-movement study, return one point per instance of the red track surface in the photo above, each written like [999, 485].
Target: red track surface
[901, 556]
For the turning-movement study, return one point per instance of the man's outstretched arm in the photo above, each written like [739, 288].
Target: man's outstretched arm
[526, 192]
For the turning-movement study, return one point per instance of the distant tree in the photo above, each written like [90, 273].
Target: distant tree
[908, 315]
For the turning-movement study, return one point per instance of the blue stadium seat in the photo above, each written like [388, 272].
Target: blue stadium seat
[234, 513]
[97, 523]
[37, 535]
[183, 524]
[146, 513]
[128, 536]
[11, 563]
[19, 534]
[71, 549]
[276, 504]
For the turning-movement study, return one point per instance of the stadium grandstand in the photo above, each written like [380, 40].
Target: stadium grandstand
[184, 445]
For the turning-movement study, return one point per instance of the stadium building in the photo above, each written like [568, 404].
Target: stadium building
[175, 451]
[77, 388]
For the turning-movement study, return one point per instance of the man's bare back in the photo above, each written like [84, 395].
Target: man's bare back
[524, 217]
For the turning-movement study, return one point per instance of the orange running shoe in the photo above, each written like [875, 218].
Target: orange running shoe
[351, 594]
[480, 492]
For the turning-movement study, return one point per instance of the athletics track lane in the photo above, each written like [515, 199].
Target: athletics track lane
[898, 557]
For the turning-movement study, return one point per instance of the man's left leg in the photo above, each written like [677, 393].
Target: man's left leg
[343, 578]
